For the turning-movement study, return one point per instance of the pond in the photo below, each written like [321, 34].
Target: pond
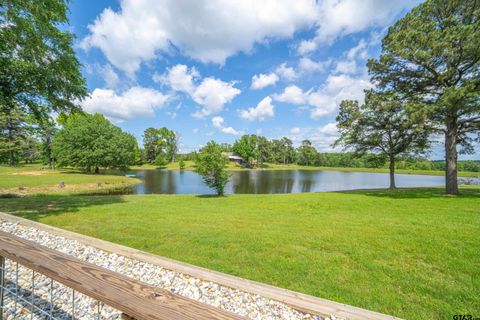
[281, 181]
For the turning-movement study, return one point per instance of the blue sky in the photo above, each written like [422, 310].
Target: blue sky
[213, 69]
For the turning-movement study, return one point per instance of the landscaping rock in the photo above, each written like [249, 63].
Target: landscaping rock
[240, 302]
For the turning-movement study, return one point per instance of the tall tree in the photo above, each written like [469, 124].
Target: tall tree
[14, 130]
[160, 143]
[307, 154]
[38, 67]
[381, 125]
[91, 142]
[246, 147]
[433, 55]
[210, 163]
[169, 143]
[151, 137]
[46, 131]
[30, 149]
[284, 150]
[264, 150]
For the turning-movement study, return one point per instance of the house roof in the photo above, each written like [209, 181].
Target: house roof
[232, 156]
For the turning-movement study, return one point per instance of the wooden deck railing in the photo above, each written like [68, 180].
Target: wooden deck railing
[134, 298]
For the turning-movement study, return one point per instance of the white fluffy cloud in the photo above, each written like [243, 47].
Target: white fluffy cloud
[218, 122]
[295, 130]
[286, 72]
[109, 76]
[179, 78]
[306, 46]
[292, 94]
[262, 111]
[348, 64]
[325, 100]
[307, 65]
[211, 93]
[213, 30]
[337, 18]
[263, 80]
[205, 30]
[137, 101]
[322, 138]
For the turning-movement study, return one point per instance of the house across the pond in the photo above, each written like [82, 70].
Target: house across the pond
[233, 157]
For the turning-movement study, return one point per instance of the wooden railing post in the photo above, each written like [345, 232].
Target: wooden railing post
[135, 298]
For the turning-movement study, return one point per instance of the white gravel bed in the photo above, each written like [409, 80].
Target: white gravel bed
[51, 300]
[240, 302]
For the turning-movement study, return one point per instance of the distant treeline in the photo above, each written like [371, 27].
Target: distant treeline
[348, 160]
[107, 146]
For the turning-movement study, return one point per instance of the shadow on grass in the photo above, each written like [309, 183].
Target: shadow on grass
[416, 193]
[39, 206]
[210, 196]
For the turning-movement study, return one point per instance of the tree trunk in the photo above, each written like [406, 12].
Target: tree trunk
[97, 170]
[50, 161]
[451, 183]
[49, 152]
[392, 172]
[11, 142]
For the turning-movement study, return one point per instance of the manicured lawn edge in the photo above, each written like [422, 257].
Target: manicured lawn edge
[302, 302]
[189, 165]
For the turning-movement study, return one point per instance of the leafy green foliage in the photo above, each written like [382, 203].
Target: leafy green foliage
[39, 72]
[181, 164]
[381, 125]
[46, 131]
[210, 164]
[258, 150]
[15, 129]
[283, 151]
[432, 58]
[160, 142]
[92, 142]
[161, 160]
[30, 149]
[38, 67]
[307, 154]
[264, 150]
[246, 147]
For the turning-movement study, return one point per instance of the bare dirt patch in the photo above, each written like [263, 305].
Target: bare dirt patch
[68, 188]
[30, 173]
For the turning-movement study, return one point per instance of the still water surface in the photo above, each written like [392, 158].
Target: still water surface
[282, 181]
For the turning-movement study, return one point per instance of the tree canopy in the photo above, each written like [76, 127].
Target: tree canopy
[39, 71]
[210, 164]
[161, 145]
[14, 132]
[246, 147]
[381, 125]
[307, 154]
[432, 57]
[91, 142]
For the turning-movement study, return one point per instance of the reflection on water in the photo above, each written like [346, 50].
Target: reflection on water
[281, 181]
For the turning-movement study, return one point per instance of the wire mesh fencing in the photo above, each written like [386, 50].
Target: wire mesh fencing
[26, 294]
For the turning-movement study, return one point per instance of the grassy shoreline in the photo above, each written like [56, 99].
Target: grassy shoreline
[412, 253]
[189, 165]
[33, 179]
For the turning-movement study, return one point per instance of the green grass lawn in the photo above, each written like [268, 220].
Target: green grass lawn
[189, 165]
[413, 253]
[32, 179]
